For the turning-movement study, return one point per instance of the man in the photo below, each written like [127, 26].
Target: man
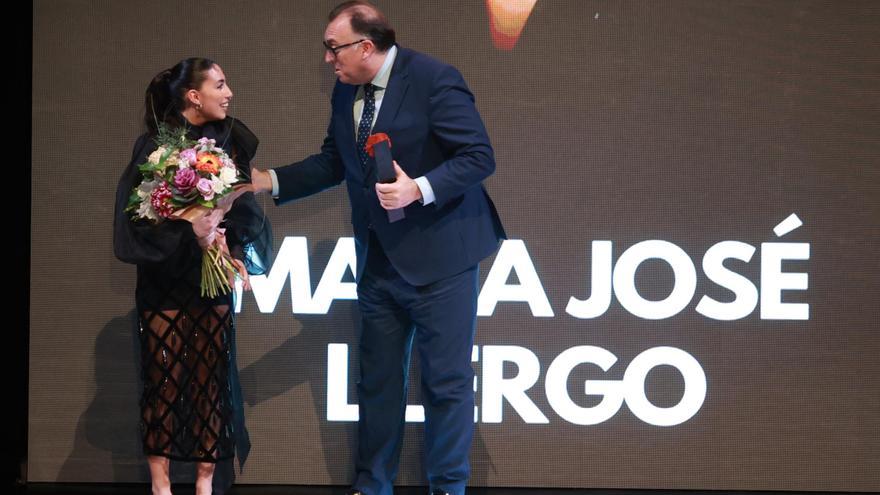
[417, 277]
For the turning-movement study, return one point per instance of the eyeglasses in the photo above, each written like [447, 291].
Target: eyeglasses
[335, 49]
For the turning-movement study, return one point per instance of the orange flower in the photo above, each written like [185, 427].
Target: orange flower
[207, 162]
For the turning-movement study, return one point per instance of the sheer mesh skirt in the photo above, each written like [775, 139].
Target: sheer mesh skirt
[186, 410]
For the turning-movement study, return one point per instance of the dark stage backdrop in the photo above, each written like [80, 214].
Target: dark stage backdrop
[688, 298]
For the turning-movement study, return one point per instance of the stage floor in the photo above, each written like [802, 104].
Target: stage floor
[144, 489]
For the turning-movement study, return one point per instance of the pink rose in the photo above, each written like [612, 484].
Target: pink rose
[188, 156]
[185, 179]
[206, 189]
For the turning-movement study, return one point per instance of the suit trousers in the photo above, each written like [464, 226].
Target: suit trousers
[440, 318]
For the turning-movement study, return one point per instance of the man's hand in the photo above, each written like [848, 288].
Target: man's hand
[399, 193]
[262, 180]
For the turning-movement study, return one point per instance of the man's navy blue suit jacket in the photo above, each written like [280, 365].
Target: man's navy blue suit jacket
[429, 114]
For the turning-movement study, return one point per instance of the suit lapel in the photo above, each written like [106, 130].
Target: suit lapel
[398, 83]
[347, 142]
[391, 101]
[349, 112]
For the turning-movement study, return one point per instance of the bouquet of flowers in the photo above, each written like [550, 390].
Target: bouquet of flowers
[186, 179]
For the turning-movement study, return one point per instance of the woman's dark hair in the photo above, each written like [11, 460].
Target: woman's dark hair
[164, 99]
[367, 21]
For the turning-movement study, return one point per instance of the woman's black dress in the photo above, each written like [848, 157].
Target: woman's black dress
[191, 405]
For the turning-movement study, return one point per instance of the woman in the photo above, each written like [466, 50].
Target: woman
[191, 407]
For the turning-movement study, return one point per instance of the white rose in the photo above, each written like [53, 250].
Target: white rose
[174, 159]
[156, 155]
[217, 185]
[228, 175]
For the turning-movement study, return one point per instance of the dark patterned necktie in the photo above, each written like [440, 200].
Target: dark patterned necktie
[366, 122]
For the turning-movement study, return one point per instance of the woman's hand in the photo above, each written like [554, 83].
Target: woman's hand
[205, 227]
[240, 269]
